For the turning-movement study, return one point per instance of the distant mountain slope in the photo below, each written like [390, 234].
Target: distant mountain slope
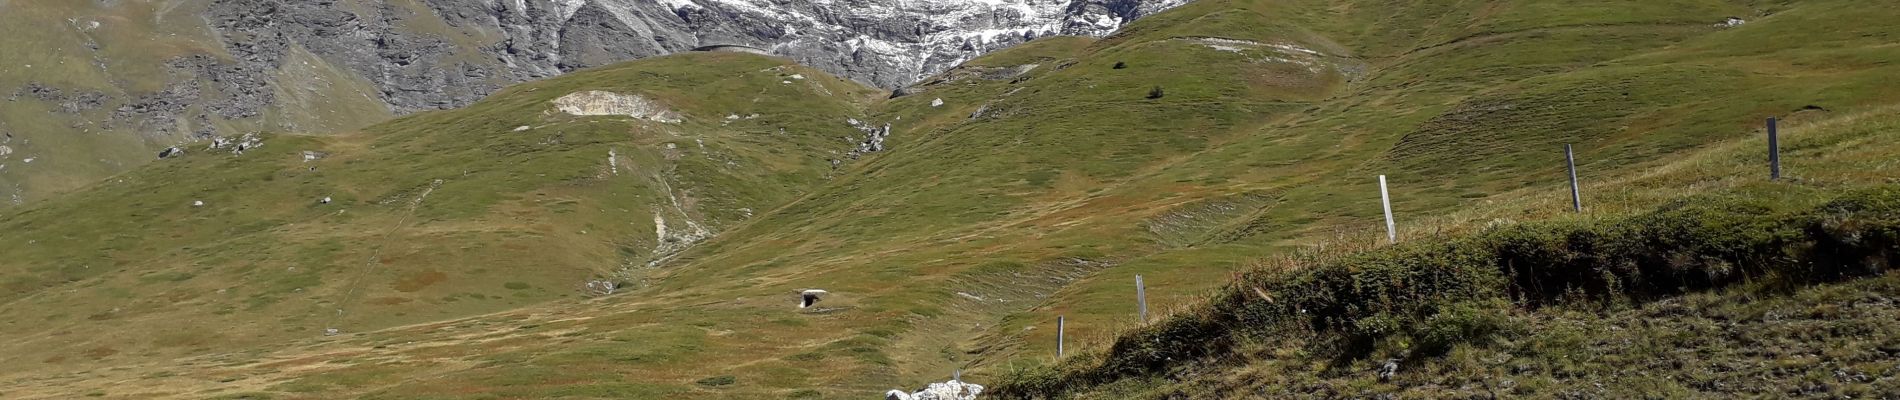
[1026, 184]
[100, 87]
[523, 198]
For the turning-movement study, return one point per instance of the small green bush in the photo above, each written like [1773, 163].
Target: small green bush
[1470, 322]
[717, 381]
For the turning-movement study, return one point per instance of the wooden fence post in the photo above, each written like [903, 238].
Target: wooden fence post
[1774, 150]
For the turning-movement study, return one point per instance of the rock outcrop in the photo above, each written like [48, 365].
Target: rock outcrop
[887, 43]
[599, 103]
[950, 390]
[303, 65]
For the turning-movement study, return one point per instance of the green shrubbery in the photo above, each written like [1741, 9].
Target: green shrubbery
[1433, 295]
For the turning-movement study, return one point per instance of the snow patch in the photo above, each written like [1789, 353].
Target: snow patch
[918, 38]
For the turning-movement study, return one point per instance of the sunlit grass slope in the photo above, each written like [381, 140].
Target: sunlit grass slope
[1024, 185]
[441, 215]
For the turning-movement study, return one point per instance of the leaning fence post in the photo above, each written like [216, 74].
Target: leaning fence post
[1141, 298]
[1385, 197]
[1576, 193]
[1059, 329]
[1774, 151]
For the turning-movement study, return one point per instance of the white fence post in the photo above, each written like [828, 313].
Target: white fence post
[1385, 197]
[1141, 298]
[1059, 329]
[1576, 192]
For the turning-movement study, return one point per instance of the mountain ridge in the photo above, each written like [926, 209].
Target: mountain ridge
[185, 71]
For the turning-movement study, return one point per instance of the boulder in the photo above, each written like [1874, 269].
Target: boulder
[951, 390]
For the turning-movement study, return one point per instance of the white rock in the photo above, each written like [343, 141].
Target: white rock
[595, 102]
[198, 203]
[521, 128]
[951, 390]
[937, 102]
[601, 288]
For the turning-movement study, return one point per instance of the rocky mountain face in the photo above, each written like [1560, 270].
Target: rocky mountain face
[166, 73]
[886, 43]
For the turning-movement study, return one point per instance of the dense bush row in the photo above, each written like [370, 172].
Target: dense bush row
[1436, 292]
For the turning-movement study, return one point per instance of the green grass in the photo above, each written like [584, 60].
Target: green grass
[125, 58]
[957, 247]
[263, 260]
[1821, 341]
[1416, 302]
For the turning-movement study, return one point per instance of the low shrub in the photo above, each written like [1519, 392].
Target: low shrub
[717, 381]
[1443, 293]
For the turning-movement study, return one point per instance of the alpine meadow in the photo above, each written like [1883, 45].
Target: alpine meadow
[813, 199]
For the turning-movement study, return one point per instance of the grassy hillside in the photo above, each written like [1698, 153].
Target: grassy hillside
[1493, 105]
[1706, 295]
[442, 215]
[102, 66]
[1024, 185]
[1479, 304]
